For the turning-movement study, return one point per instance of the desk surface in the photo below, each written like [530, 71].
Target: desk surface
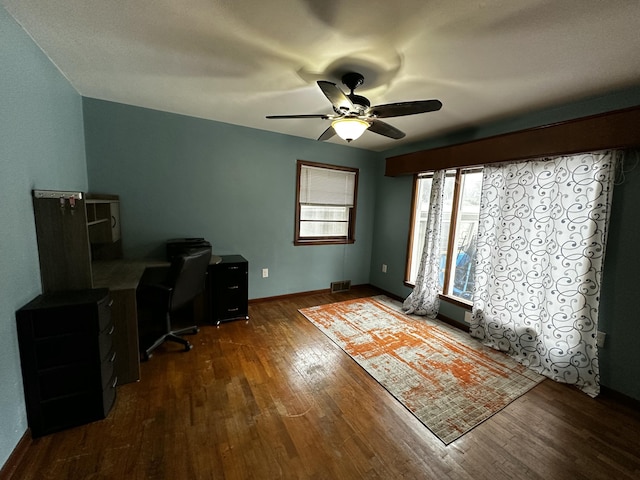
[121, 277]
[126, 274]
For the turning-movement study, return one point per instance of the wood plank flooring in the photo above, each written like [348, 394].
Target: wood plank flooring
[273, 398]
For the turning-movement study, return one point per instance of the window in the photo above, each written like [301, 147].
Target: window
[325, 204]
[459, 230]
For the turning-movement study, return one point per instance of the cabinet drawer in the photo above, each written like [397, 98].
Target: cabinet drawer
[109, 396]
[105, 342]
[107, 368]
[232, 294]
[232, 268]
[232, 311]
[104, 314]
[232, 279]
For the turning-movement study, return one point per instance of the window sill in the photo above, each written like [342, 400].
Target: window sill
[466, 304]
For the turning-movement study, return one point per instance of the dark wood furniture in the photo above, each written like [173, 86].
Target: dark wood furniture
[122, 278]
[68, 359]
[230, 289]
[616, 129]
[76, 231]
[74, 228]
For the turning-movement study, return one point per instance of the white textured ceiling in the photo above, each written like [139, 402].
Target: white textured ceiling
[236, 61]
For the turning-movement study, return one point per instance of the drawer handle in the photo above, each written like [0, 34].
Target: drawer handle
[232, 309]
[233, 287]
[233, 268]
[111, 330]
[113, 358]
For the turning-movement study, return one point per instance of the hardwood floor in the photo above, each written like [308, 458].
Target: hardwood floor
[273, 398]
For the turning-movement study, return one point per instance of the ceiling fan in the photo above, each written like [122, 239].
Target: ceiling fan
[353, 114]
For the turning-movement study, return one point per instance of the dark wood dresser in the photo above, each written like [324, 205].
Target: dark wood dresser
[68, 359]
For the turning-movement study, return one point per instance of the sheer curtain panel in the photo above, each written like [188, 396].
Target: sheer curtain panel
[425, 300]
[541, 244]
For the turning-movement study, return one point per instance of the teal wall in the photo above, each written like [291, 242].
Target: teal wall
[619, 359]
[181, 176]
[41, 146]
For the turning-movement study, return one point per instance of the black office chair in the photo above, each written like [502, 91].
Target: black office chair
[165, 290]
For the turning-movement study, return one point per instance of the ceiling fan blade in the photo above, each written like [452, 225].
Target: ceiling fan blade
[382, 128]
[325, 117]
[327, 134]
[405, 108]
[336, 96]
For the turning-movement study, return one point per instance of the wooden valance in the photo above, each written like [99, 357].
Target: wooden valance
[616, 129]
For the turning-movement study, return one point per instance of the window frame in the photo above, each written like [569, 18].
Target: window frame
[351, 220]
[453, 225]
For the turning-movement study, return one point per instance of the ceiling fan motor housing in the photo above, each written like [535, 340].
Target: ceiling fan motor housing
[352, 80]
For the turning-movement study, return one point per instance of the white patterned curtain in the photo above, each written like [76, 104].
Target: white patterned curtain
[541, 244]
[425, 300]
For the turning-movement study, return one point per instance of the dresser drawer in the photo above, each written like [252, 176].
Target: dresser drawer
[230, 275]
[105, 342]
[108, 368]
[109, 396]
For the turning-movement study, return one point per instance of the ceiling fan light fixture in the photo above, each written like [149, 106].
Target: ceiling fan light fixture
[350, 128]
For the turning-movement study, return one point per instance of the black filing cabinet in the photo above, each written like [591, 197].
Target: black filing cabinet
[68, 359]
[230, 289]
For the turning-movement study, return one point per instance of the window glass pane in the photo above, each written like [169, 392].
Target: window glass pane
[423, 192]
[324, 213]
[323, 229]
[447, 209]
[420, 225]
[466, 235]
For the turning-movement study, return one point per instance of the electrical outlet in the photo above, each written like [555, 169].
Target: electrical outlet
[384, 268]
[265, 272]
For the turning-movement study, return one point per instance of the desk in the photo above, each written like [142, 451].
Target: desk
[121, 277]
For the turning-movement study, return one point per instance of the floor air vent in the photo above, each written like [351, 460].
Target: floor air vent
[343, 286]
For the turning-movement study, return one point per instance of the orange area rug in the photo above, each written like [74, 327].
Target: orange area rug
[448, 380]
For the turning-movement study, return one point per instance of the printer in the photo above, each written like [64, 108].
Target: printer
[182, 246]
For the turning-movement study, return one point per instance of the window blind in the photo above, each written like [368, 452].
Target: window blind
[322, 186]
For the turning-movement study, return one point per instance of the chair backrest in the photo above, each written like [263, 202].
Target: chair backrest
[188, 273]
